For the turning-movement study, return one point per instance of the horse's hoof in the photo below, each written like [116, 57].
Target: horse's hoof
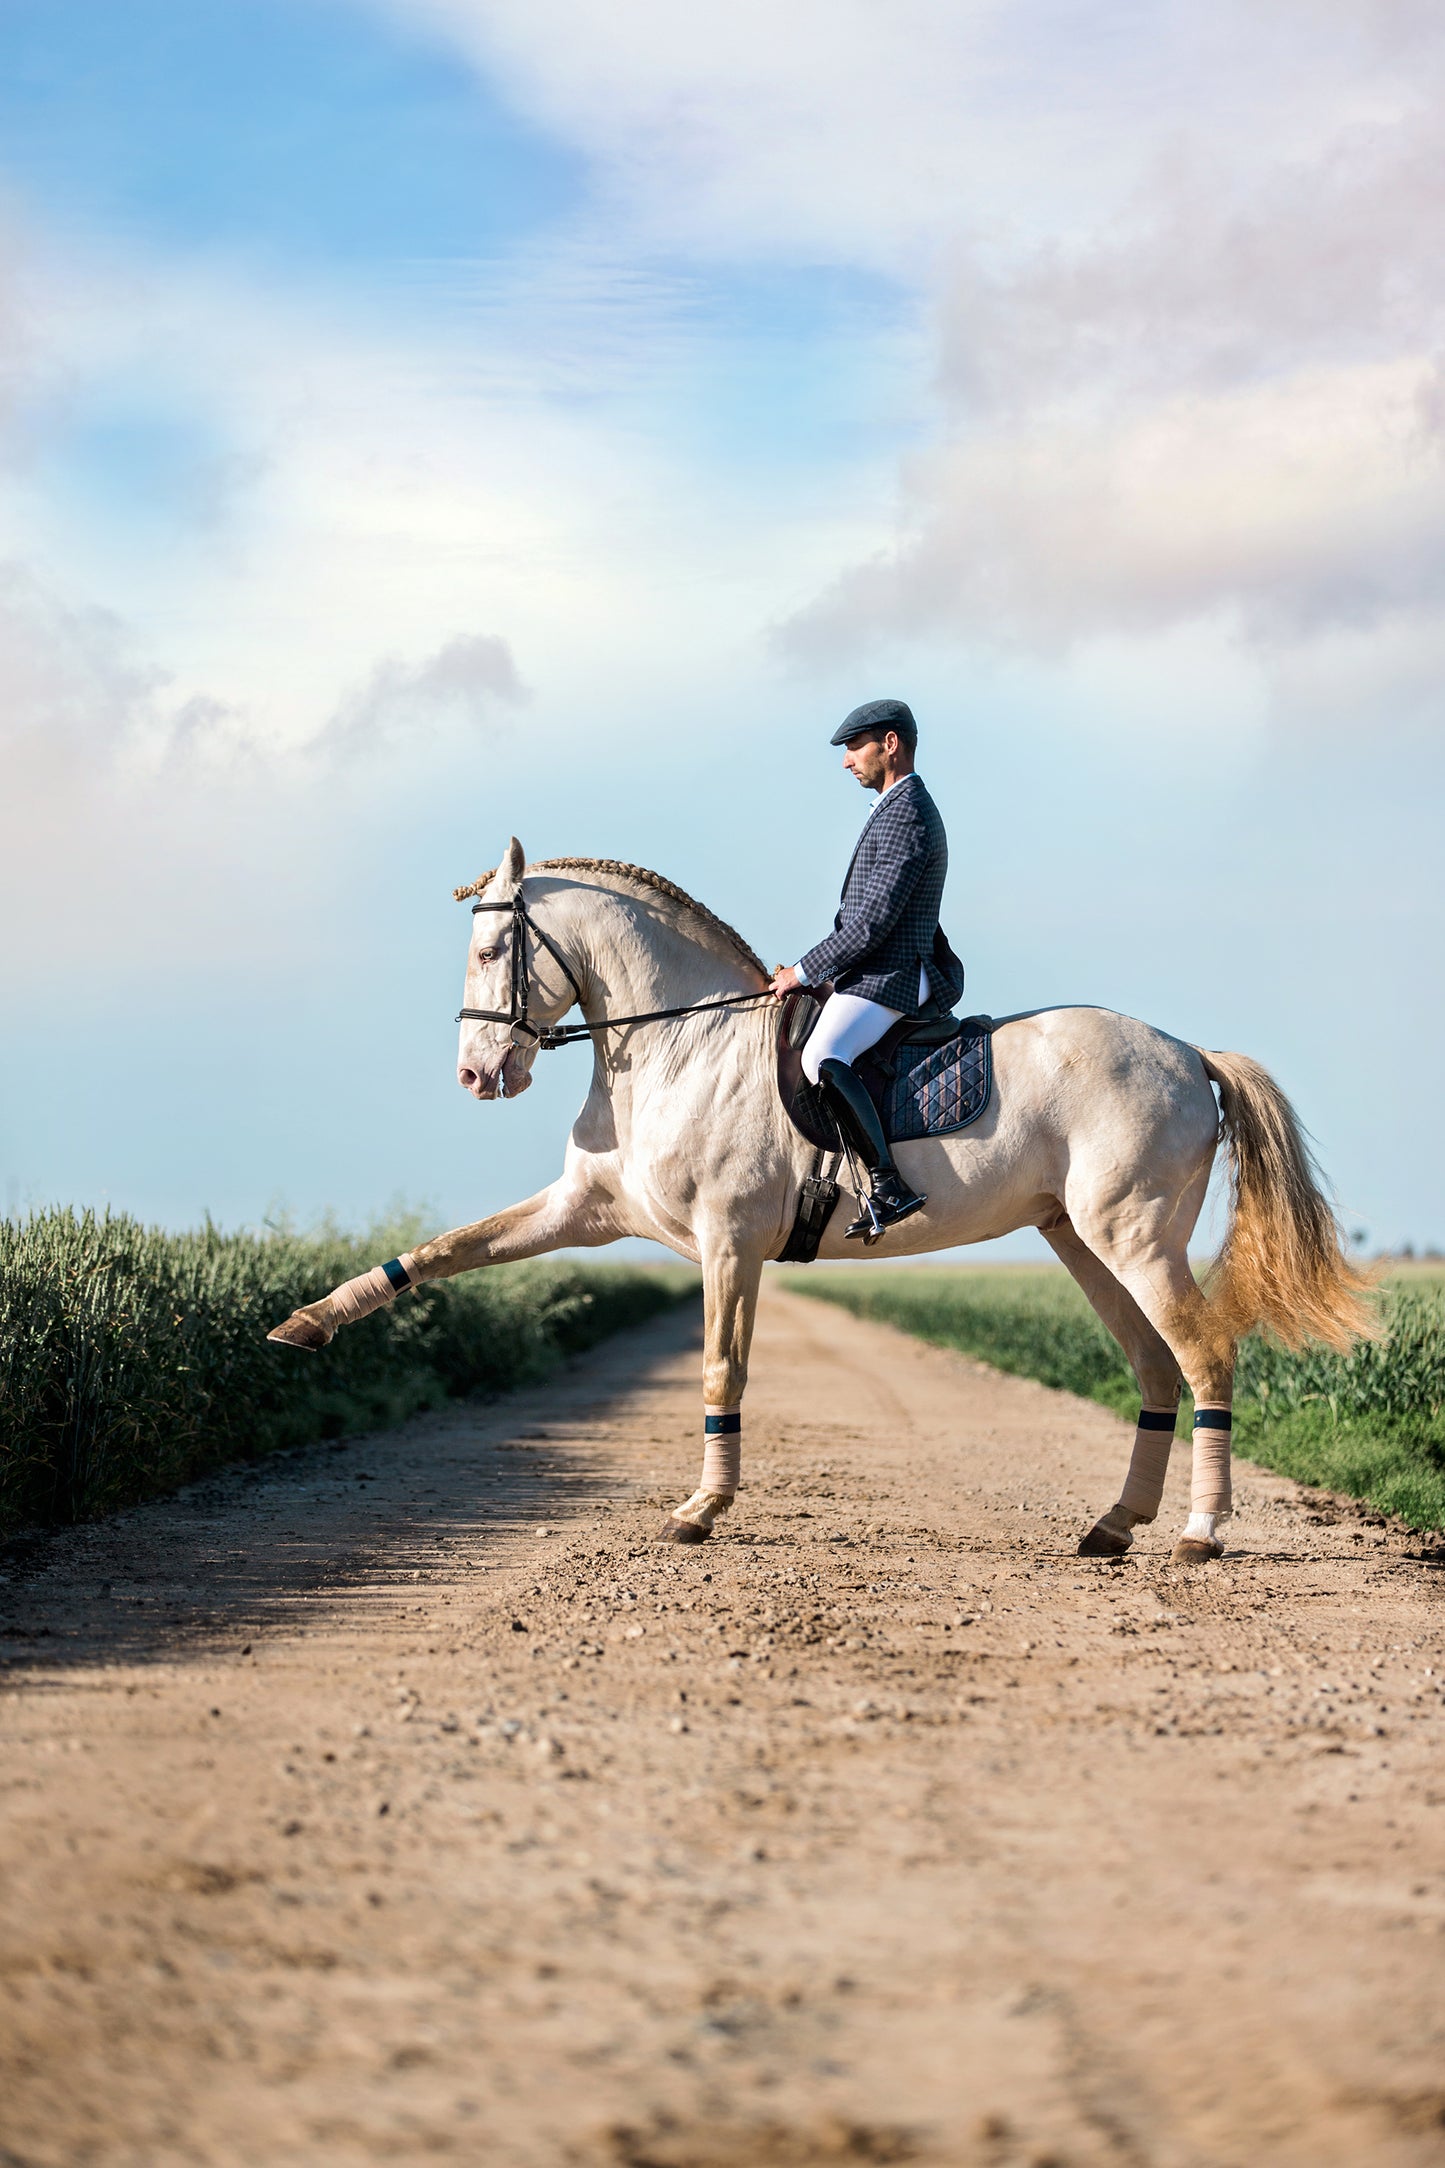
[300, 1331]
[1195, 1551]
[676, 1531]
[1101, 1542]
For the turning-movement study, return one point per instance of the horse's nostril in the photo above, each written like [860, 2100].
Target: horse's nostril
[468, 1079]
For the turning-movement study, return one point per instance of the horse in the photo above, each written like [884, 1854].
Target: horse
[1101, 1132]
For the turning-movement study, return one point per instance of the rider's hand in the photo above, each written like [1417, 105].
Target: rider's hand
[784, 980]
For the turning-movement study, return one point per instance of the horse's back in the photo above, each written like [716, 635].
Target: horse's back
[1102, 1077]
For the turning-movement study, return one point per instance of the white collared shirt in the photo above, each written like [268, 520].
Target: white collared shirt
[891, 787]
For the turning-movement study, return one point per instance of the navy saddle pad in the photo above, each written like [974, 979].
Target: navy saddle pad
[928, 1076]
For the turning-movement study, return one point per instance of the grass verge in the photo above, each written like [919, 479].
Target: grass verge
[1370, 1424]
[132, 1360]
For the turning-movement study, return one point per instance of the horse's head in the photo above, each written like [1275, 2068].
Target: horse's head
[494, 1060]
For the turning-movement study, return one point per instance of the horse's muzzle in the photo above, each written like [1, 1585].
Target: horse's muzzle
[503, 1079]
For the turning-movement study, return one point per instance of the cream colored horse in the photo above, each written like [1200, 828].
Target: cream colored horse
[1101, 1133]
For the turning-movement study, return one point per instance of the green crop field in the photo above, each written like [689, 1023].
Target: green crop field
[132, 1360]
[1371, 1424]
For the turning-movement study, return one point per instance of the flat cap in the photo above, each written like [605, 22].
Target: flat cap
[874, 715]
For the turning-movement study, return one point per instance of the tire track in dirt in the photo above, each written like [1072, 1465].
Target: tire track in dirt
[350, 1817]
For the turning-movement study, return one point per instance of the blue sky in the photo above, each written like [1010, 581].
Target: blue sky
[309, 135]
[1072, 370]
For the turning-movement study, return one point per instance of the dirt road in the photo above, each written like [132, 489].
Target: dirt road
[403, 1801]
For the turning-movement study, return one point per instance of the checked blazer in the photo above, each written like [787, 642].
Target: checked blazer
[887, 923]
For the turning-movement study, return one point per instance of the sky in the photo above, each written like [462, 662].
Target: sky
[424, 421]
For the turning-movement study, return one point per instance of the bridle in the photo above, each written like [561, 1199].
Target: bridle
[550, 1035]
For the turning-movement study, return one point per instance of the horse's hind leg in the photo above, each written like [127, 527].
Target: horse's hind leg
[1153, 1267]
[730, 1284]
[1159, 1379]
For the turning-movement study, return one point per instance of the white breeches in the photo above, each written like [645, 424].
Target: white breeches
[849, 1025]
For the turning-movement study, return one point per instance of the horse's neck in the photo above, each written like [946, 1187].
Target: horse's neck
[634, 959]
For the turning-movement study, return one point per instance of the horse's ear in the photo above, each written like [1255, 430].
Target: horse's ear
[509, 872]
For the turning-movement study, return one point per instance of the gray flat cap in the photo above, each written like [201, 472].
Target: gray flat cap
[874, 715]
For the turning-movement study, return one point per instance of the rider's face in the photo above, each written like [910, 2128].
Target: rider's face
[867, 759]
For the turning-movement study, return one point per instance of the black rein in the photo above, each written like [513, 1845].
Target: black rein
[550, 1035]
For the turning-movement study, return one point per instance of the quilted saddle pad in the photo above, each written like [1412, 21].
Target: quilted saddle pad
[934, 1090]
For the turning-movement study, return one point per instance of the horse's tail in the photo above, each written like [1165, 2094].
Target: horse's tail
[1282, 1267]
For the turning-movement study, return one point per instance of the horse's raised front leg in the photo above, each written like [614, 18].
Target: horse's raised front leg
[730, 1300]
[558, 1217]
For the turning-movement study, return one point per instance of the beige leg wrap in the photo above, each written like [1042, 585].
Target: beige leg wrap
[722, 1451]
[373, 1290]
[1149, 1462]
[722, 1459]
[1212, 1491]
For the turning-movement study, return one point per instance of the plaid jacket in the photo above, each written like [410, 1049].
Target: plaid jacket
[887, 924]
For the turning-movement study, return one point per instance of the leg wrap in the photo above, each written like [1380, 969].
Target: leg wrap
[1212, 1432]
[1149, 1462]
[374, 1290]
[722, 1451]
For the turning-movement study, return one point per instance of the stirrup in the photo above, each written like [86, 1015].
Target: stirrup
[867, 1225]
[880, 1213]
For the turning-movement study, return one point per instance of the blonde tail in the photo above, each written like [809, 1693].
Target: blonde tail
[1282, 1268]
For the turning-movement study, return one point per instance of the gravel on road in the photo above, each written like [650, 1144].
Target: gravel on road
[406, 1800]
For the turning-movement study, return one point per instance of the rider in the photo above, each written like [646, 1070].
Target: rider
[887, 955]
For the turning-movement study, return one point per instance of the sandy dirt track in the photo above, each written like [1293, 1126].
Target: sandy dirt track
[405, 1801]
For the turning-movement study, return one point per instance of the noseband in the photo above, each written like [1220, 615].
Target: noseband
[549, 1035]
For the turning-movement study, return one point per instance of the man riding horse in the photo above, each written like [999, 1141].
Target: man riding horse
[887, 956]
[1101, 1132]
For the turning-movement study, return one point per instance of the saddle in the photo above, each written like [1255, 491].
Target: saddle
[928, 1076]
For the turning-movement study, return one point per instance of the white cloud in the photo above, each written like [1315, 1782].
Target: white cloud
[1282, 508]
[427, 517]
[386, 482]
[100, 784]
[66, 674]
[462, 682]
[867, 134]
[1213, 278]
[1186, 267]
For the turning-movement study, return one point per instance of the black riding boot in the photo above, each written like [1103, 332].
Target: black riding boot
[891, 1199]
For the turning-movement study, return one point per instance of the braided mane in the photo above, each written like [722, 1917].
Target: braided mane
[642, 878]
